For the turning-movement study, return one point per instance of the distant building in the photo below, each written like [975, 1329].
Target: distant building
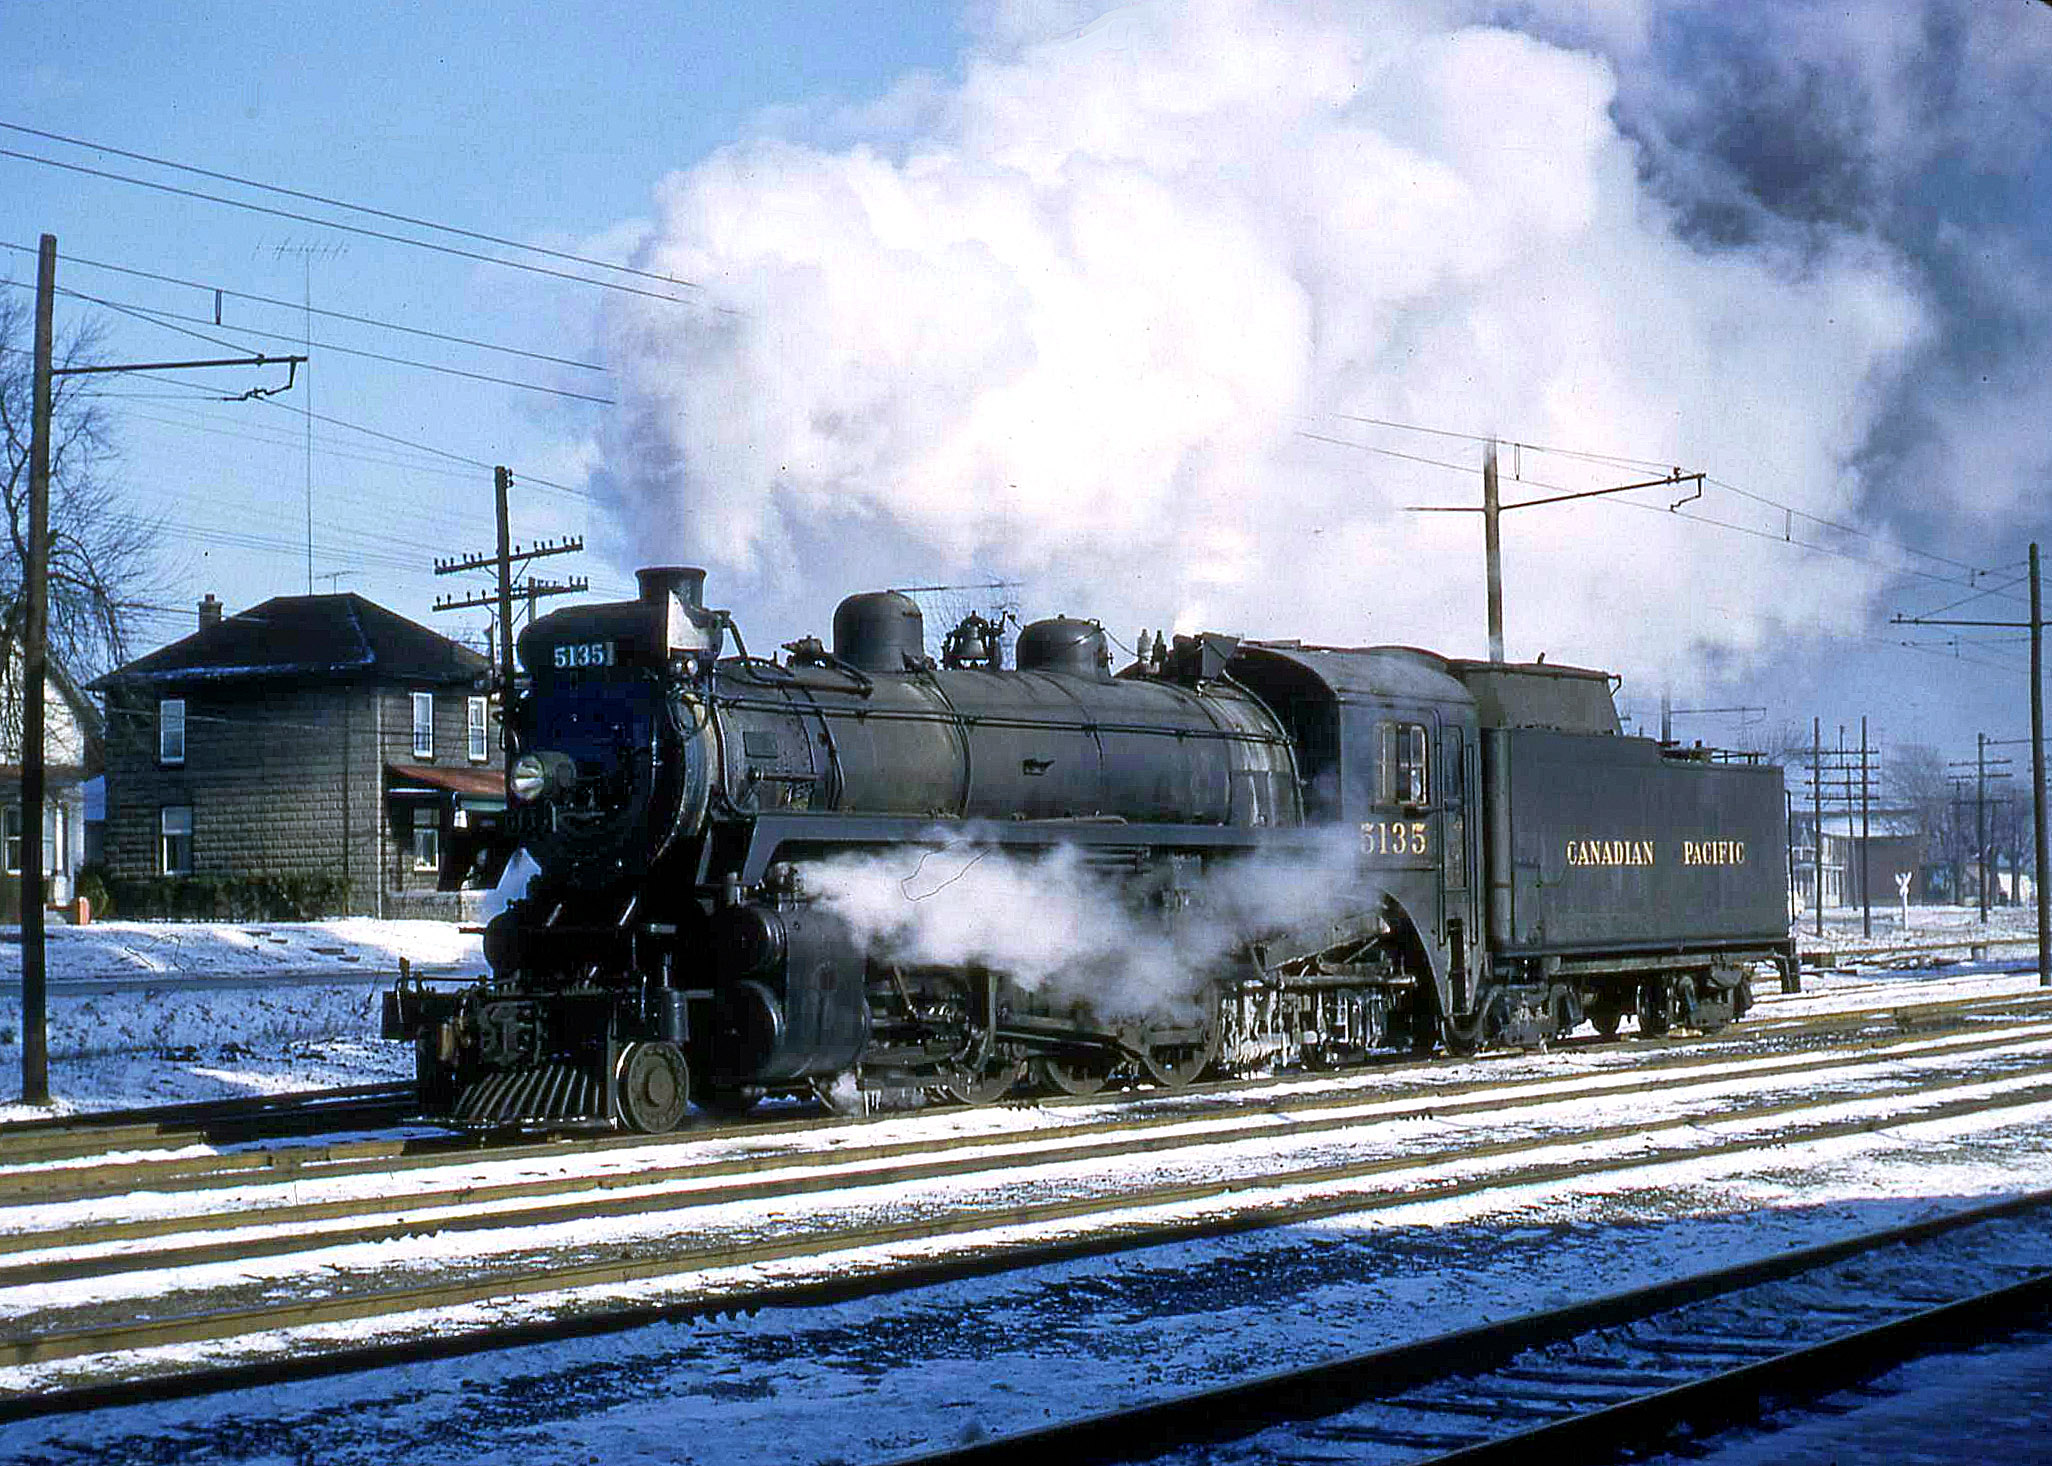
[318, 741]
[71, 755]
[1893, 843]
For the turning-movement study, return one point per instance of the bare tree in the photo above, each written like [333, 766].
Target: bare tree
[101, 555]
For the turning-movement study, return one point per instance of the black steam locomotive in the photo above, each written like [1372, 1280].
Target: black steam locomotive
[1468, 853]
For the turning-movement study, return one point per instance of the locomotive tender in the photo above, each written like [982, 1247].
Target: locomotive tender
[1495, 862]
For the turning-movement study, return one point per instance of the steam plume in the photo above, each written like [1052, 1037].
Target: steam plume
[1107, 311]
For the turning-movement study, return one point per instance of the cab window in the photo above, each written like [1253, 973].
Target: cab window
[1403, 775]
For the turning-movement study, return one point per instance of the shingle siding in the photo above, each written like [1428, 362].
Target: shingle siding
[294, 710]
[269, 772]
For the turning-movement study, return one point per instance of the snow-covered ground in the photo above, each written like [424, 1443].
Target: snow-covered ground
[151, 1013]
[1918, 926]
[877, 1379]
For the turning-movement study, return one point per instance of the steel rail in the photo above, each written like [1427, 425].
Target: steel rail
[416, 1212]
[177, 1125]
[300, 1163]
[1740, 1395]
[1320, 1391]
[994, 1253]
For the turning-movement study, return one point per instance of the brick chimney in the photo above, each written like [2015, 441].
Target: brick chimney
[209, 612]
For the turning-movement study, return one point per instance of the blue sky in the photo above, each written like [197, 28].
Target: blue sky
[534, 122]
[1111, 308]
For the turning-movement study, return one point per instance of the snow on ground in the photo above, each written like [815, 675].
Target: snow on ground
[152, 1013]
[876, 1379]
[887, 1376]
[1917, 926]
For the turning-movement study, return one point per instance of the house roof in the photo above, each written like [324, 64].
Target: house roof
[306, 638]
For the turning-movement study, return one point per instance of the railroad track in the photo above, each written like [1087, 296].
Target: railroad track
[983, 1203]
[208, 1122]
[1625, 1374]
[139, 1171]
[139, 1143]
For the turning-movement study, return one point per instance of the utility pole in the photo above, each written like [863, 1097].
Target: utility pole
[1984, 769]
[1492, 549]
[2039, 841]
[1492, 509]
[1817, 812]
[1981, 816]
[35, 1038]
[35, 1015]
[1866, 891]
[509, 555]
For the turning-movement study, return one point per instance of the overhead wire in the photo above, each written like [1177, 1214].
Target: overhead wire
[311, 309]
[1676, 510]
[155, 316]
[335, 203]
[164, 318]
[1622, 461]
[358, 229]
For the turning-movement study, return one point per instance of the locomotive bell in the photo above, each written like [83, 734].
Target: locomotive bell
[679, 591]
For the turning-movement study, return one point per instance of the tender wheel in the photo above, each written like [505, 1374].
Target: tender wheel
[985, 1086]
[653, 1086]
[1605, 1020]
[1073, 1076]
[1656, 1008]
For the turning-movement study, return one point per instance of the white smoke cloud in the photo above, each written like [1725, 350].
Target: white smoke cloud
[1071, 317]
[1054, 924]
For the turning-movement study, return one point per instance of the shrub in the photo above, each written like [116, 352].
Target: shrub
[92, 884]
[231, 898]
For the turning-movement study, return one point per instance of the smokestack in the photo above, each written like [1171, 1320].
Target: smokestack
[209, 612]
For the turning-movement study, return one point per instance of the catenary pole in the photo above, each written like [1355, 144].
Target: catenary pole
[2038, 776]
[35, 1037]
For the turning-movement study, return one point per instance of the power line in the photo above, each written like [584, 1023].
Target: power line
[272, 440]
[334, 203]
[1679, 513]
[334, 315]
[358, 229]
[164, 318]
[1622, 461]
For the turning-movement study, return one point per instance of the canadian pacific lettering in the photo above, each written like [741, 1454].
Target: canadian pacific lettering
[1713, 852]
[1610, 852]
[1642, 852]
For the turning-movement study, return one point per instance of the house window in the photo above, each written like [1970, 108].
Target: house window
[1403, 766]
[427, 838]
[175, 840]
[53, 839]
[171, 730]
[480, 736]
[423, 725]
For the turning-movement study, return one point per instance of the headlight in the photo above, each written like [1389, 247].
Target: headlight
[529, 777]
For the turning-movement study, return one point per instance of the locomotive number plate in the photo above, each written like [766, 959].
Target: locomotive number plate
[572, 655]
[1395, 837]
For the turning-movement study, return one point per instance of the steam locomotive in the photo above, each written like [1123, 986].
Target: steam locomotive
[1488, 860]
